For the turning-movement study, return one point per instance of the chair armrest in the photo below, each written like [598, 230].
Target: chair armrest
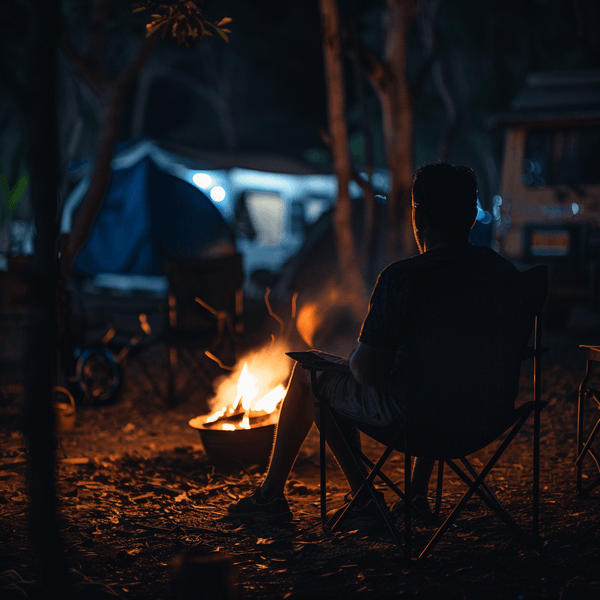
[311, 360]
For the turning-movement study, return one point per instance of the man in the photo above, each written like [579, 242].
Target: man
[432, 320]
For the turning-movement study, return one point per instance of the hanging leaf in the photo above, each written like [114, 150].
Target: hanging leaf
[183, 19]
[14, 195]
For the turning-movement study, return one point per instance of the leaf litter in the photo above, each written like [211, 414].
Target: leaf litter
[129, 507]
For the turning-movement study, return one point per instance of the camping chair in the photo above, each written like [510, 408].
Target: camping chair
[585, 442]
[450, 445]
[203, 323]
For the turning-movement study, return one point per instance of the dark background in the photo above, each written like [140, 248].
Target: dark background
[268, 81]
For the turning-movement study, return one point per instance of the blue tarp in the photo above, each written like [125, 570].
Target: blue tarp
[149, 215]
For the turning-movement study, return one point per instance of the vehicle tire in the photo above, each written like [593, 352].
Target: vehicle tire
[99, 376]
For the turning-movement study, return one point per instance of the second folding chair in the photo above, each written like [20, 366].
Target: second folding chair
[204, 320]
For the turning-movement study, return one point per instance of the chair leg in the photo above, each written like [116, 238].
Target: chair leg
[149, 376]
[171, 368]
[371, 465]
[483, 486]
[489, 498]
[323, 465]
[474, 487]
[439, 488]
[407, 505]
[537, 398]
[367, 481]
[197, 374]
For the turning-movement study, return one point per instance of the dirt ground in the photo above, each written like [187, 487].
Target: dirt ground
[137, 490]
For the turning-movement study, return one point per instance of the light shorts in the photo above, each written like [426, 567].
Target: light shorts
[371, 405]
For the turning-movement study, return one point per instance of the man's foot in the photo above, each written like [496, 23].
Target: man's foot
[365, 515]
[421, 511]
[254, 508]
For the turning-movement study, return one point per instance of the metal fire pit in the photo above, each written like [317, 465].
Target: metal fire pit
[240, 446]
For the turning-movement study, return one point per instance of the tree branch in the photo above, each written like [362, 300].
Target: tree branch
[90, 205]
[94, 77]
[378, 73]
[98, 39]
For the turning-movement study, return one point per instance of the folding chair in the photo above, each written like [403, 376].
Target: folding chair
[585, 444]
[445, 444]
[204, 320]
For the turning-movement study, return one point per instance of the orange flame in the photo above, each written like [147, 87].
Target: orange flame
[253, 391]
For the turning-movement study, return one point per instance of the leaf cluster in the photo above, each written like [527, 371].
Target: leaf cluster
[10, 195]
[183, 19]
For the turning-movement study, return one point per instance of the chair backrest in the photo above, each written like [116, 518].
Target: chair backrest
[468, 339]
[216, 282]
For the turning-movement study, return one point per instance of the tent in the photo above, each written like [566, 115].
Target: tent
[149, 214]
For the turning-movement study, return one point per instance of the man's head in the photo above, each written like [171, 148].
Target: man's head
[444, 199]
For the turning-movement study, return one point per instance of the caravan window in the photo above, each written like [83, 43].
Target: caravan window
[267, 211]
[569, 156]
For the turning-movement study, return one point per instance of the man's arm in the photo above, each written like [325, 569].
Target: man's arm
[370, 365]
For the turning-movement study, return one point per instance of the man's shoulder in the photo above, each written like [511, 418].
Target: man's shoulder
[466, 254]
[405, 265]
[488, 253]
[484, 257]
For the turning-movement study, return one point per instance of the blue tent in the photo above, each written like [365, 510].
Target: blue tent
[148, 215]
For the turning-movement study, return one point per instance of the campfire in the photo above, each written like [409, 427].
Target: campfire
[247, 406]
[252, 394]
[245, 409]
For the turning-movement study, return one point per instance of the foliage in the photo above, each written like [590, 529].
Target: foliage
[10, 196]
[184, 19]
[15, 101]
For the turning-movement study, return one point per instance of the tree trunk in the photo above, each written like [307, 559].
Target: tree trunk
[41, 342]
[369, 210]
[100, 178]
[398, 124]
[427, 22]
[336, 105]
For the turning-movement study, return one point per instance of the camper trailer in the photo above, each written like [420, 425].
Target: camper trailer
[548, 206]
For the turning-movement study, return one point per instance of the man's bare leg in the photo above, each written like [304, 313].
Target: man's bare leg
[296, 418]
[422, 469]
[295, 421]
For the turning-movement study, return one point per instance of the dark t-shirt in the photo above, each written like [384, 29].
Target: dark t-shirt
[457, 322]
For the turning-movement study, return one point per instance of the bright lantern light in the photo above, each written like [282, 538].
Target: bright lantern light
[202, 180]
[217, 193]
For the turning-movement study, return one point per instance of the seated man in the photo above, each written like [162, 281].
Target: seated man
[434, 321]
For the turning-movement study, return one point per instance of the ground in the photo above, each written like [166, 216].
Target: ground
[137, 491]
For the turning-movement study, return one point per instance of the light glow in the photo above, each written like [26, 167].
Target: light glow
[218, 193]
[202, 180]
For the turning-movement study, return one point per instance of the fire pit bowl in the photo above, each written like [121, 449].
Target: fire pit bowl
[239, 446]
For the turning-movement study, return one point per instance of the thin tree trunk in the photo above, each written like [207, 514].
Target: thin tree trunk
[398, 116]
[336, 105]
[41, 343]
[100, 178]
[428, 18]
[369, 208]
